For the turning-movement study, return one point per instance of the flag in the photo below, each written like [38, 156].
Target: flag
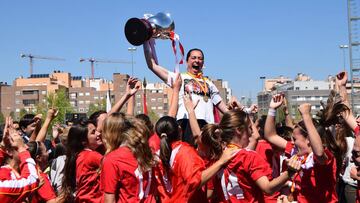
[108, 102]
[144, 103]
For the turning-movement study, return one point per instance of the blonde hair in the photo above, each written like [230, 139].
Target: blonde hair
[120, 129]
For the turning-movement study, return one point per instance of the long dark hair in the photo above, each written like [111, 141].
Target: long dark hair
[34, 148]
[168, 130]
[77, 138]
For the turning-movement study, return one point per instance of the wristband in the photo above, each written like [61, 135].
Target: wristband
[272, 112]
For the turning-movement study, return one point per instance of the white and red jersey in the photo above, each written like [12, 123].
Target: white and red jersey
[182, 182]
[316, 182]
[15, 187]
[45, 192]
[121, 176]
[88, 176]
[237, 181]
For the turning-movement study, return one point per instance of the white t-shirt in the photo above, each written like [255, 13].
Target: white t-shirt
[204, 110]
[346, 176]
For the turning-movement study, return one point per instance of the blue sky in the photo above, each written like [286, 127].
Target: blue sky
[242, 39]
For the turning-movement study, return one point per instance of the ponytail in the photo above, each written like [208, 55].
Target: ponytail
[168, 130]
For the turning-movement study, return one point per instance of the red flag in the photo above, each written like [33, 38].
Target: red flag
[144, 103]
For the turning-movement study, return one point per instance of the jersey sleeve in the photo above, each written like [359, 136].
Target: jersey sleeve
[191, 168]
[28, 181]
[109, 176]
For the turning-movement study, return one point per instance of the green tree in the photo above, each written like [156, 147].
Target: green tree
[60, 101]
[22, 112]
[100, 105]
[154, 117]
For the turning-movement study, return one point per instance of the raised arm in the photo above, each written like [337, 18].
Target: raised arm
[160, 71]
[314, 137]
[51, 114]
[175, 96]
[270, 131]
[341, 80]
[194, 125]
[132, 86]
[36, 126]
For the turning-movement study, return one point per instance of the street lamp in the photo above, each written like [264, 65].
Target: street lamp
[343, 47]
[132, 49]
[262, 78]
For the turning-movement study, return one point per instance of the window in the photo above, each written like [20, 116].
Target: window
[28, 102]
[17, 110]
[73, 95]
[316, 88]
[159, 99]
[138, 104]
[297, 88]
[153, 107]
[17, 101]
[87, 93]
[160, 107]
[96, 97]
[81, 102]
[43, 92]
[153, 99]
[30, 92]
[138, 96]
[81, 94]
[87, 102]
[17, 93]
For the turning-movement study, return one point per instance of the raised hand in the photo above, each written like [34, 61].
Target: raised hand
[234, 104]
[52, 113]
[276, 101]
[341, 78]
[132, 86]
[178, 82]
[189, 104]
[305, 109]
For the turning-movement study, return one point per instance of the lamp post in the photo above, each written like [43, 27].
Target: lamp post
[343, 47]
[132, 49]
[262, 78]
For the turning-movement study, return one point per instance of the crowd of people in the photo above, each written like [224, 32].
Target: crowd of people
[204, 150]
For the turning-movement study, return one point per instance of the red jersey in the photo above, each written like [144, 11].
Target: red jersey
[121, 176]
[237, 182]
[357, 130]
[316, 181]
[88, 176]
[15, 187]
[45, 192]
[182, 182]
[154, 143]
[265, 150]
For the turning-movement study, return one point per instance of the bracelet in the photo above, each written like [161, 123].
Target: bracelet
[272, 112]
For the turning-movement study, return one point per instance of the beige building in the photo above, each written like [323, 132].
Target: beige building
[26, 93]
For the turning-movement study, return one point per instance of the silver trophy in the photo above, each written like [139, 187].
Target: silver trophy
[160, 26]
